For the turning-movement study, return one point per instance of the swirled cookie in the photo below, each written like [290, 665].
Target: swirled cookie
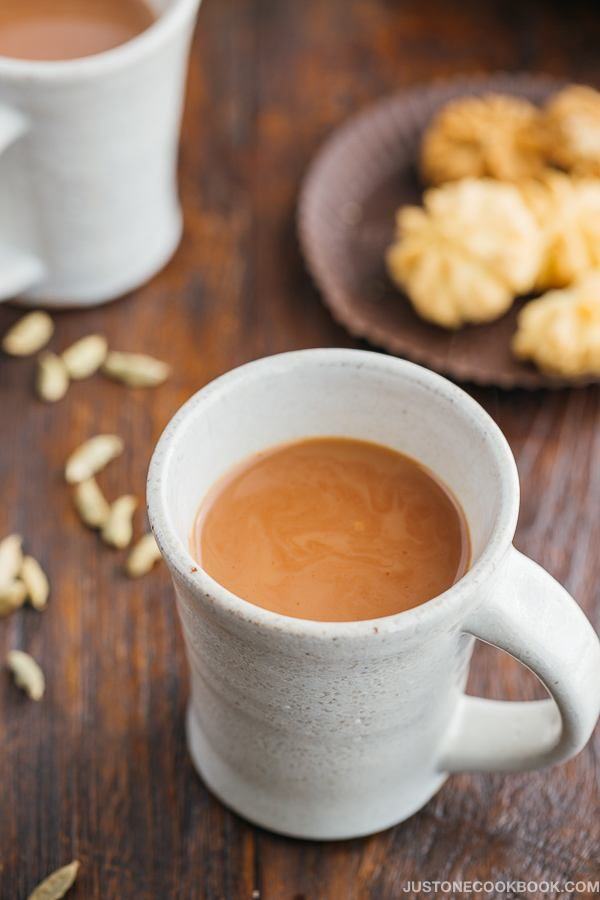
[560, 331]
[467, 252]
[573, 123]
[496, 135]
[568, 213]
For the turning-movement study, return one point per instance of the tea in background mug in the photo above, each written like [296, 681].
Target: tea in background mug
[336, 730]
[88, 152]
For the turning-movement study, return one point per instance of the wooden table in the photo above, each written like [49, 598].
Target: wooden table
[99, 769]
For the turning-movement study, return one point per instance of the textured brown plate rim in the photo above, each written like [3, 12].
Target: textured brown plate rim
[335, 297]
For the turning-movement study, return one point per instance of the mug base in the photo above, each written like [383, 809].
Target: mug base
[247, 801]
[100, 290]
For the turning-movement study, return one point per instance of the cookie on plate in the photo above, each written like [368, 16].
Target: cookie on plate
[467, 253]
[495, 135]
[573, 122]
[560, 331]
[568, 213]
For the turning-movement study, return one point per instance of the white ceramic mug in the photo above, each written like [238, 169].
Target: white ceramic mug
[335, 730]
[88, 151]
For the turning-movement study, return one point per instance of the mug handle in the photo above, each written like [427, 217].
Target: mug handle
[532, 617]
[19, 269]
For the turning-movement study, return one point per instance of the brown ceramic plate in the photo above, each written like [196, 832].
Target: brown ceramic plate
[364, 172]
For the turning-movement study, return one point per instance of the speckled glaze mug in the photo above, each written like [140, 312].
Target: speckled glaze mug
[88, 154]
[335, 730]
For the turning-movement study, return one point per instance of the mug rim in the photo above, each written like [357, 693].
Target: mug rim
[64, 70]
[180, 560]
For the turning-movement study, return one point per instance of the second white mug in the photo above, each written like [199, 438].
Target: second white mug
[88, 151]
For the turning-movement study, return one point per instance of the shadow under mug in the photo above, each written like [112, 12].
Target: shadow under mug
[88, 153]
[336, 730]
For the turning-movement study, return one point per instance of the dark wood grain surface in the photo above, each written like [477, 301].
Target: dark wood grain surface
[99, 770]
